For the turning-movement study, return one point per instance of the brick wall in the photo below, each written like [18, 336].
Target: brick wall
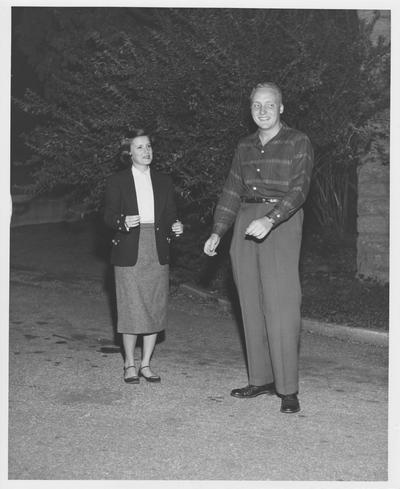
[373, 220]
[373, 193]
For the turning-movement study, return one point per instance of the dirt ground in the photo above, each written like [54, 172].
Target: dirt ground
[72, 417]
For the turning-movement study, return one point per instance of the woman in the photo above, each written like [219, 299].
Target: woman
[140, 206]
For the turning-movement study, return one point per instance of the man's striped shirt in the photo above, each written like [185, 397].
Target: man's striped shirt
[280, 169]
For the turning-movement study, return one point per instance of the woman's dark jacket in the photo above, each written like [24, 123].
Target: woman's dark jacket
[121, 201]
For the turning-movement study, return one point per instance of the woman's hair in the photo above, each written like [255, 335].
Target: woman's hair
[125, 149]
[270, 85]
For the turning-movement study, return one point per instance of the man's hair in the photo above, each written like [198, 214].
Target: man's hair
[271, 85]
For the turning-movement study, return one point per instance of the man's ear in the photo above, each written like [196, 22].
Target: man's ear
[281, 109]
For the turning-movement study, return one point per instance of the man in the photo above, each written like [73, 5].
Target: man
[263, 194]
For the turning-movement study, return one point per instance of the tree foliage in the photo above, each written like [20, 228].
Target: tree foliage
[187, 74]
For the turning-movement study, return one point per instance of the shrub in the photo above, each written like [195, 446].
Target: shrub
[187, 73]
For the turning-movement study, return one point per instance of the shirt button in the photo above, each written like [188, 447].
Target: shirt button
[262, 151]
[254, 188]
[258, 170]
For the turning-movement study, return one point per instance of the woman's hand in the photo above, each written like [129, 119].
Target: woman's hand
[211, 244]
[131, 222]
[177, 228]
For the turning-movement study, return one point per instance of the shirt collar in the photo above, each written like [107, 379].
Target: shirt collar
[255, 136]
[137, 172]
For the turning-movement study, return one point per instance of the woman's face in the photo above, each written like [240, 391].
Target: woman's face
[142, 152]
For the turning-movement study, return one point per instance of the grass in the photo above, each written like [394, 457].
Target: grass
[331, 290]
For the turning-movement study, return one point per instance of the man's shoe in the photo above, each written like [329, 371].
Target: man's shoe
[253, 391]
[290, 404]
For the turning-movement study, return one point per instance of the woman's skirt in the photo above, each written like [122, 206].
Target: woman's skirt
[142, 290]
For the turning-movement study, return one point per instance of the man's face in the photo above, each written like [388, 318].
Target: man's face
[266, 108]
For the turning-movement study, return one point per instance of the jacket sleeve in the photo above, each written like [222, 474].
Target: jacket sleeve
[113, 205]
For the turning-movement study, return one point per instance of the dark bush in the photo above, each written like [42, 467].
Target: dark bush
[187, 74]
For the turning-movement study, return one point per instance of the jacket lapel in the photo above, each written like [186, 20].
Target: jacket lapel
[130, 191]
[158, 192]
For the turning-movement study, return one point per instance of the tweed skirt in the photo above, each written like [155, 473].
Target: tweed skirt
[142, 290]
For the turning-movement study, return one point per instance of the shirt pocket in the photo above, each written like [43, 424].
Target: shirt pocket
[276, 172]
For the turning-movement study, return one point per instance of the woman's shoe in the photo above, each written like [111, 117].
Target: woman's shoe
[134, 379]
[149, 378]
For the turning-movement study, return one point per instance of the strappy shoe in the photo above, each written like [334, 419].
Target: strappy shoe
[149, 378]
[134, 379]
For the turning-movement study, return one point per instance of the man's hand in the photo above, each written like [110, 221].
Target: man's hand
[259, 228]
[211, 244]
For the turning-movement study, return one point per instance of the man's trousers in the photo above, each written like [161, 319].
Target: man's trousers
[266, 274]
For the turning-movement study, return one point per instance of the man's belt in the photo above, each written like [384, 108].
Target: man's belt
[259, 200]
